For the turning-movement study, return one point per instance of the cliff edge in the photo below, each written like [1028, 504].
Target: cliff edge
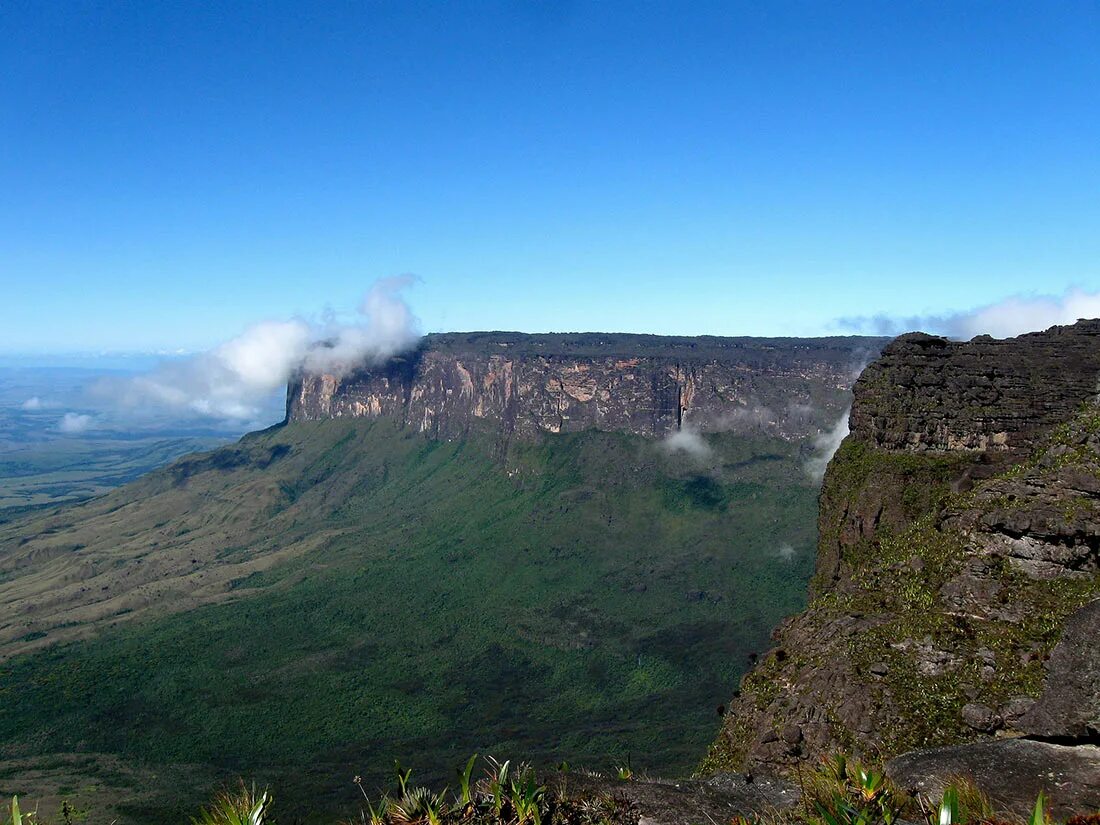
[957, 574]
[519, 386]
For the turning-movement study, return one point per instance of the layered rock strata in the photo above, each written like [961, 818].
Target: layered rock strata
[524, 385]
[958, 566]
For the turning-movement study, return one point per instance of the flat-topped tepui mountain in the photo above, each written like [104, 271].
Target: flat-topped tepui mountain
[443, 559]
[523, 385]
[955, 596]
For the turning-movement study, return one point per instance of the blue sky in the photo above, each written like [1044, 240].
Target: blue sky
[172, 172]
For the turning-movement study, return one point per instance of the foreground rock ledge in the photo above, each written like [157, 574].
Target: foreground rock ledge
[666, 802]
[1011, 771]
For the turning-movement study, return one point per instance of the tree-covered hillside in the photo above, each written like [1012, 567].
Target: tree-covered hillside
[321, 598]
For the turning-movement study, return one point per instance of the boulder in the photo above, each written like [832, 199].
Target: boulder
[980, 717]
[1011, 771]
[718, 799]
[1069, 707]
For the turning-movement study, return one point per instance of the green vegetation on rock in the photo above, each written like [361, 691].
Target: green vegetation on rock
[939, 593]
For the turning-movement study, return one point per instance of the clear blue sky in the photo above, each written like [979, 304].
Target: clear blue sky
[172, 171]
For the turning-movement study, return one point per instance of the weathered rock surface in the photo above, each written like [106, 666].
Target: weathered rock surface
[523, 385]
[1011, 771]
[929, 393]
[1069, 707]
[959, 532]
[717, 799]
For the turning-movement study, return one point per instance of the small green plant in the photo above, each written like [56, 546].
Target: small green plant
[418, 806]
[465, 796]
[20, 818]
[948, 811]
[507, 794]
[526, 797]
[378, 816]
[240, 807]
[961, 802]
[403, 775]
[497, 785]
[843, 792]
[1039, 814]
[70, 813]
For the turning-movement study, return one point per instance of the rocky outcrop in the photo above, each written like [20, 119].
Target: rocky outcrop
[958, 565]
[1069, 707]
[1012, 772]
[929, 393]
[524, 385]
[720, 798]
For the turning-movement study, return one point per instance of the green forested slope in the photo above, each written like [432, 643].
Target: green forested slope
[364, 593]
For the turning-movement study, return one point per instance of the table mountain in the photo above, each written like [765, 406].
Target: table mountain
[427, 559]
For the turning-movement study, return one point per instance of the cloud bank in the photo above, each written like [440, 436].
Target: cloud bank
[234, 380]
[1012, 316]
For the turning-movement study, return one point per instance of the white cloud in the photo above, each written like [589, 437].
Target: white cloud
[1012, 316]
[391, 328]
[233, 380]
[786, 552]
[73, 423]
[825, 445]
[747, 419]
[1018, 314]
[688, 441]
[33, 403]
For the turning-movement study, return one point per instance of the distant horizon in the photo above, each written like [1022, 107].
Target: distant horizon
[73, 358]
[153, 353]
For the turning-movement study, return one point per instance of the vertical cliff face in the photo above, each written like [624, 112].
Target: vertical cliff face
[959, 526]
[523, 385]
[930, 394]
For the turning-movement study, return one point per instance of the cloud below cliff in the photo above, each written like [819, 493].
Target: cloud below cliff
[235, 379]
[825, 446]
[688, 441]
[1012, 316]
[753, 418]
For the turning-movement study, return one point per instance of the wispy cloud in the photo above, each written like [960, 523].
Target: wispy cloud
[1012, 316]
[750, 418]
[235, 379]
[825, 445]
[73, 423]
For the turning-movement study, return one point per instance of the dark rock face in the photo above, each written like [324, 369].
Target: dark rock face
[1069, 707]
[523, 385]
[958, 549]
[1011, 771]
[928, 393]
